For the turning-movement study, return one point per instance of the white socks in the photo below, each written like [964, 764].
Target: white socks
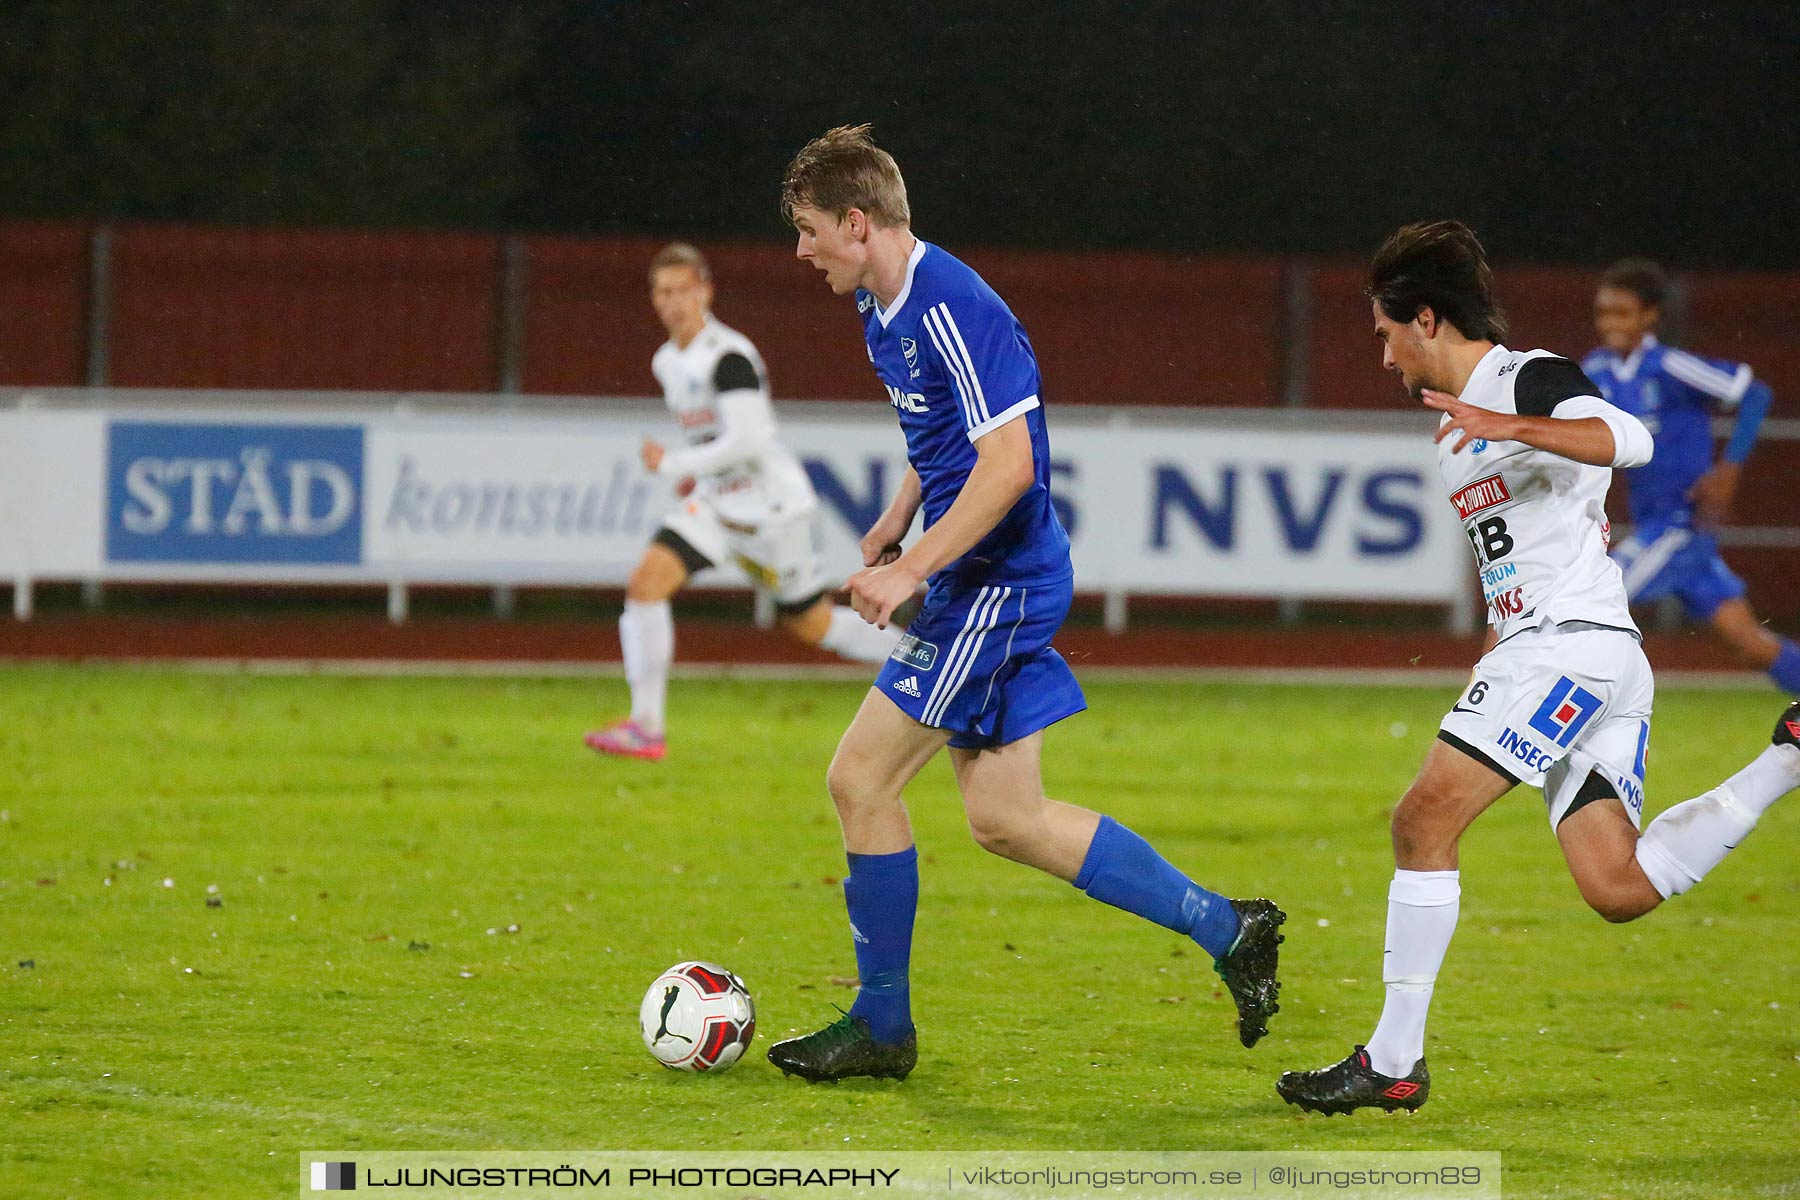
[1680, 847]
[1692, 838]
[1770, 776]
[1422, 908]
[851, 637]
[647, 640]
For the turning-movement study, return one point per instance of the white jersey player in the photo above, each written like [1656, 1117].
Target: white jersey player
[745, 500]
[1562, 698]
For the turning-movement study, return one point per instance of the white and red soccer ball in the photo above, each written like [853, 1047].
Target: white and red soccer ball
[697, 1016]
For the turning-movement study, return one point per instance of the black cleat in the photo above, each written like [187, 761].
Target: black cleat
[1354, 1084]
[844, 1049]
[1787, 730]
[1248, 968]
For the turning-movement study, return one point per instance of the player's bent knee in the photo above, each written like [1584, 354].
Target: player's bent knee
[657, 576]
[1418, 828]
[1619, 899]
[850, 784]
[647, 584]
[842, 783]
[1618, 909]
[807, 625]
[1012, 840]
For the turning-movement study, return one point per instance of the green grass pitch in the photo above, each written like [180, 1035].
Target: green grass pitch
[374, 842]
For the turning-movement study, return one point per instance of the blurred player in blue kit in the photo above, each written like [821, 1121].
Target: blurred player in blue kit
[1684, 493]
[975, 671]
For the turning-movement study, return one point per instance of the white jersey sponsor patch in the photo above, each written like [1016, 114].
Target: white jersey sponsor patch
[1535, 520]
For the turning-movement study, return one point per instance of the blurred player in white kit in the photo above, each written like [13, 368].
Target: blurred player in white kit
[745, 500]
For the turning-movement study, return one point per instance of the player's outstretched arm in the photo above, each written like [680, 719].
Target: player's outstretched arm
[881, 545]
[746, 431]
[1586, 429]
[1002, 473]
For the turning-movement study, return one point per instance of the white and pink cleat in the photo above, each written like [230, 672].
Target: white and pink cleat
[627, 739]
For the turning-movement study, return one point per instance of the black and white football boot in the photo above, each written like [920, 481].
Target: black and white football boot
[1354, 1084]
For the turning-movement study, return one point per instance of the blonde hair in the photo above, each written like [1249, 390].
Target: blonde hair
[680, 254]
[844, 169]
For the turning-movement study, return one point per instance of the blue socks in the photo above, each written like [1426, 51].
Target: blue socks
[882, 894]
[1786, 669]
[1125, 871]
[1121, 869]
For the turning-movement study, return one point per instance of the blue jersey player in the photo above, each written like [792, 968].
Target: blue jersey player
[1683, 493]
[976, 671]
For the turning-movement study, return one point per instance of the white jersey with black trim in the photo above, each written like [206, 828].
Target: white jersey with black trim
[718, 390]
[1536, 520]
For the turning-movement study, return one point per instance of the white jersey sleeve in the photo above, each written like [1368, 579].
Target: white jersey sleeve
[1632, 443]
[717, 389]
[746, 430]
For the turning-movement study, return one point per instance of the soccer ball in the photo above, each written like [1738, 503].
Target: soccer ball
[697, 1016]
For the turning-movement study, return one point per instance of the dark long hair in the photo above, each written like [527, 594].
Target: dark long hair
[1438, 265]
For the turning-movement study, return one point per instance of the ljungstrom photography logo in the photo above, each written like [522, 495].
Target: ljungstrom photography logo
[334, 1177]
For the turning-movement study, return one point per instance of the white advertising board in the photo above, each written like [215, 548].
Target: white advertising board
[288, 490]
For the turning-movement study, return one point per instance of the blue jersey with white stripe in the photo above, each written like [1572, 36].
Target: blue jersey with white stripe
[957, 365]
[1673, 393]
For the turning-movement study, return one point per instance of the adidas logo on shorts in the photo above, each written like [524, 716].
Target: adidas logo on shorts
[909, 685]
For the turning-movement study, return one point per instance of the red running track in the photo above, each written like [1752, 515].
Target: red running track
[77, 637]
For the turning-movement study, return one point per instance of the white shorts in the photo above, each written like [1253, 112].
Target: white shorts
[781, 555]
[1549, 707]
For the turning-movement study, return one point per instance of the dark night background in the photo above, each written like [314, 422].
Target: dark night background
[1570, 133]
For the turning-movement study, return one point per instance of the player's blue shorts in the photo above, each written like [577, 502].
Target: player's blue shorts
[977, 661]
[1674, 560]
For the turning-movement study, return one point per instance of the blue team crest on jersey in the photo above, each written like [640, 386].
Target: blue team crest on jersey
[910, 349]
[1478, 445]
